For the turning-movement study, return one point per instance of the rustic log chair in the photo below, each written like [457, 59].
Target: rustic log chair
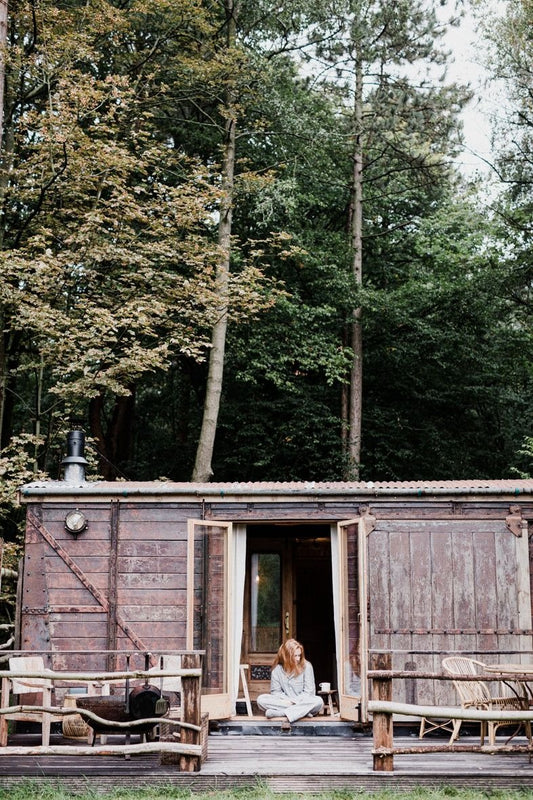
[21, 686]
[476, 694]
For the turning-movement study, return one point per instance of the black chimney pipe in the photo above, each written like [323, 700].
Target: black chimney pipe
[75, 461]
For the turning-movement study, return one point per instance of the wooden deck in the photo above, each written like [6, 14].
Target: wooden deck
[282, 761]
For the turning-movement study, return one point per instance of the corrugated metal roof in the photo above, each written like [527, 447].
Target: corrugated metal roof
[277, 489]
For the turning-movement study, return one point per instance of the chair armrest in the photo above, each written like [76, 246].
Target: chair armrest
[510, 703]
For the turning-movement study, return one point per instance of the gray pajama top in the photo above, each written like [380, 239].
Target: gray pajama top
[297, 687]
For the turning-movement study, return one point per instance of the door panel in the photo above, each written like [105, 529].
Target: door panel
[266, 604]
[209, 602]
[447, 585]
[353, 617]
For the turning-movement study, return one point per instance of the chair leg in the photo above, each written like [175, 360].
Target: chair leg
[483, 731]
[430, 725]
[6, 687]
[456, 728]
[46, 724]
[246, 694]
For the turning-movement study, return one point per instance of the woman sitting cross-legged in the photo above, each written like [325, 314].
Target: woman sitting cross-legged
[292, 686]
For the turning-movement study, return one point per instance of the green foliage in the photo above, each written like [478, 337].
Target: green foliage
[449, 361]
[111, 190]
[109, 247]
[444, 393]
[527, 451]
[511, 67]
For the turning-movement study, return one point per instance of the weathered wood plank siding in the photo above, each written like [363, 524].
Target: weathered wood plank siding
[444, 585]
[447, 572]
[80, 594]
[152, 575]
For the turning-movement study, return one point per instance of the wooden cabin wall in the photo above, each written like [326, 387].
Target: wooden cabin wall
[447, 585]
[120, 585]
[442, 575]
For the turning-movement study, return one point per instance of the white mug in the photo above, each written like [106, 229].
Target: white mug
[325, 687]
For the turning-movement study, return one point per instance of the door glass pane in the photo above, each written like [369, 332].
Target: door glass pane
[352, 629]
[210, 612]
[265, 602]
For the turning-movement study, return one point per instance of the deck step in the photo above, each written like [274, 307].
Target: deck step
[259, 726]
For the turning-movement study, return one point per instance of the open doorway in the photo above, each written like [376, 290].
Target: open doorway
[288, 594]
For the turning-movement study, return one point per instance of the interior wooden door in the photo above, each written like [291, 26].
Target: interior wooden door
[269, 606]
[288, 594]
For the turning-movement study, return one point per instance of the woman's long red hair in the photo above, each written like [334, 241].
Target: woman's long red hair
[286, 657]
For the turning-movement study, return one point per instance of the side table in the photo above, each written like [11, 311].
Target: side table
[330, 698]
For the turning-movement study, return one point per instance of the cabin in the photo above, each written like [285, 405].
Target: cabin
[419, 569]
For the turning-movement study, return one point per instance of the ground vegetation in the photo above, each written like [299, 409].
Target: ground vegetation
[257, 792]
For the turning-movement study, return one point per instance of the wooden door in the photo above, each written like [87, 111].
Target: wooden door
[209, 607]
[444, 586]
[352, 602]
[288, 594]
[268, 608]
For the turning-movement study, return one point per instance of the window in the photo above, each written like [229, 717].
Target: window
[265, 595]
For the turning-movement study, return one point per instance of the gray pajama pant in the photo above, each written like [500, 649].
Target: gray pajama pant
[309, 705]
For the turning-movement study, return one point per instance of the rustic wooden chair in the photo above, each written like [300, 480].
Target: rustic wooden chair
[477, 694]
[21, 686]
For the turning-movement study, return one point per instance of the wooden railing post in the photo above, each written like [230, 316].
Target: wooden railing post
[191, 710]
[382, 723]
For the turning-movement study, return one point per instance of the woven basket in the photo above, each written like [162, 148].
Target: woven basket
[73, 725]
[166, 734]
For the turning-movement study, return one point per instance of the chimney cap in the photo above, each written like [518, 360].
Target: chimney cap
[75, 461]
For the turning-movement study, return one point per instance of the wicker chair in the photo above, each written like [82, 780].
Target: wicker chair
[476, 694]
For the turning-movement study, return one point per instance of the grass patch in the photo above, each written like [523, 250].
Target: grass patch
[38, 791]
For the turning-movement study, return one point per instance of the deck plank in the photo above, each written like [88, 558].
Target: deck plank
[284, 763]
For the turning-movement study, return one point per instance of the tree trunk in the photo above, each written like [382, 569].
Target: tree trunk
[203, 469]
[355, 404]
[113, 442]
[9, 339]
[3, 349]
[3, 43]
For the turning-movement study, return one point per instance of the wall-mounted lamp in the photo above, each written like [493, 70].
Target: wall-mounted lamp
[75, 522]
